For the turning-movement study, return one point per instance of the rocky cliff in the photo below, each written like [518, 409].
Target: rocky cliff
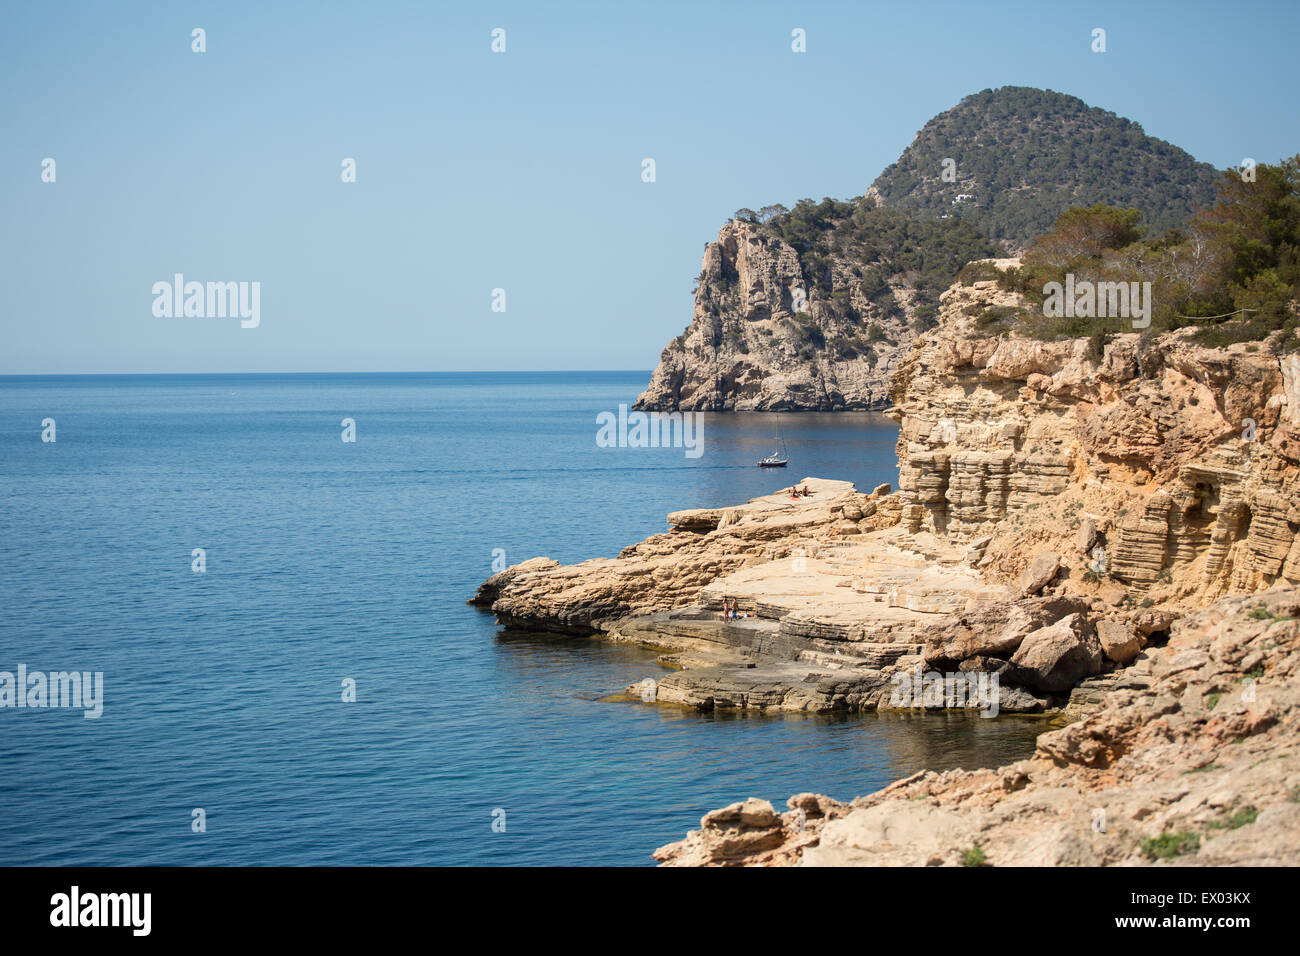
[1059, 504]
[1165, 467]
[1156, 475]
[747, 348]
[814, 322]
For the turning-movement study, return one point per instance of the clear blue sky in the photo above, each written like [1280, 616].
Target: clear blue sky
[519, 170]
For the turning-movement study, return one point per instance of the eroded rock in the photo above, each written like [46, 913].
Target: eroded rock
[1056, 657]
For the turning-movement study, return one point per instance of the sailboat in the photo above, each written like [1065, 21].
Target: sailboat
[779, 458]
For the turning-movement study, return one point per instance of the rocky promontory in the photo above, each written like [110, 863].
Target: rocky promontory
[1067, 514]
[763, 337]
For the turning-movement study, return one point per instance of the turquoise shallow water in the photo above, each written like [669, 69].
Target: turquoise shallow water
[328, 561]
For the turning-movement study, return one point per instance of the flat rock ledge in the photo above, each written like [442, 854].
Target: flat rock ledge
[842, 607]
[1189, 757]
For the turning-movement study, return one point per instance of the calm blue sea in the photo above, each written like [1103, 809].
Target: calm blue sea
[328, 561]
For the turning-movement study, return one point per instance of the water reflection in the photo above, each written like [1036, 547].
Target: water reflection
[838, 753]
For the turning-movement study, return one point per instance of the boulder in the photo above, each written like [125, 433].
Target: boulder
[741, 829]
[1040, 572]
[814, 805]
[1119, 640]
[1018, 700]
[1087, 535]
[1056, 657]
[749, 813]
[1152, 622]
[992, 630]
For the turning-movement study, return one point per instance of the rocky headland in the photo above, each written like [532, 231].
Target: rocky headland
[763, 337]
[1110, 529]
[812, 308]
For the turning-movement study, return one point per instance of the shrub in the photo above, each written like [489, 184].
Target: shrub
[973, 857]
[1169, 845]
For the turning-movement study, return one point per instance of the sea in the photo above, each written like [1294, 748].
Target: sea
[290, 672]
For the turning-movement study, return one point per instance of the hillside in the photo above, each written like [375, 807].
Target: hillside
[812, 307]
[1022, 156]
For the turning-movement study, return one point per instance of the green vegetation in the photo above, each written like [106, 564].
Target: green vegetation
[1241, 818]
[973, 857]
[1233, 273]
[885, 247]
[995, 319]
[1108, 203]
[1025, 155]
[1169, 845]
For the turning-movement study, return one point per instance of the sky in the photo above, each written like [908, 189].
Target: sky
[520, 170]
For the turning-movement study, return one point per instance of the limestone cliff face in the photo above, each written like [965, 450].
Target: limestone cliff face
[1140, 464]
[753, 346]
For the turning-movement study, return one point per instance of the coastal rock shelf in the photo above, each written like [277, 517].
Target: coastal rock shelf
[1189, 755]
[837, 599]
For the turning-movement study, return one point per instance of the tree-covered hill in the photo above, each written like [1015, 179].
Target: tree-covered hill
[1021, 156]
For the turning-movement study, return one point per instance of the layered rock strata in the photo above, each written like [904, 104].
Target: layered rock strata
[1166, 468]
